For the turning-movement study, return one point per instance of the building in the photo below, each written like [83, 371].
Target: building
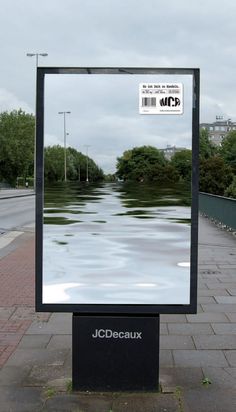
[169, 151]
[218, 129]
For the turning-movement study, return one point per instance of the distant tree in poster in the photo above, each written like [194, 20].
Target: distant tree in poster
[145, 163]
[76, 165]
[182, 162]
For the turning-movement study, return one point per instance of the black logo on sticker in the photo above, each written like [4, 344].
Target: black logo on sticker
[170, 101]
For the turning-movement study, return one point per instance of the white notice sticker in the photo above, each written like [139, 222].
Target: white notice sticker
[161, 98]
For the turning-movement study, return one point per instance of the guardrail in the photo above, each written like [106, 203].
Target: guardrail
[222, 209]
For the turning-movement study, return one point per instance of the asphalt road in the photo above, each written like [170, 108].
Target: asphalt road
[17, 213]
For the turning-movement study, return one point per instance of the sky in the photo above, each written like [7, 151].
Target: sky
[124, 33]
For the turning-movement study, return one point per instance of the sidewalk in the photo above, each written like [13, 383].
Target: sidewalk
[35, 349]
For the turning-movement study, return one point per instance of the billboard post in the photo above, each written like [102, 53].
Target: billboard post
[118, 253]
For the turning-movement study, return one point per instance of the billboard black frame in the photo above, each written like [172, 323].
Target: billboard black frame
[115, 309]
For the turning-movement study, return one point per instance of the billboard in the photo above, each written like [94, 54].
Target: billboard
[117, 190]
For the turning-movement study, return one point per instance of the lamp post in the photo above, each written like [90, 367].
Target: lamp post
[65, 134]
[87, 176]
[36, 65]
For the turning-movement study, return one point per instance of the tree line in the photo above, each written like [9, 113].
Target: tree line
[142, 164]
[17, 131]
[217, 165]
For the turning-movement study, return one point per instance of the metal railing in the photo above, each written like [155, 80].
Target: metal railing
[222, 209]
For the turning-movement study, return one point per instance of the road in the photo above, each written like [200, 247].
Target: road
[17, 213]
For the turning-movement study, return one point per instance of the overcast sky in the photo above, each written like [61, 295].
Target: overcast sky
[147, 33]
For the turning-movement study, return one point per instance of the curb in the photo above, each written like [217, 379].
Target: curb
[14, 196]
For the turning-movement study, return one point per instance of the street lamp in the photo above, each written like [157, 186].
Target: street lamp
[87, 146]
[65, 134]
[36, 60]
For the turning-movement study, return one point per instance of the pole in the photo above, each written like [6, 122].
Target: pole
[87, 171]
[36, 63]
[65, 143]
[64, 122]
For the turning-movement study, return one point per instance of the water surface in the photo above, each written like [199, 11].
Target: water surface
[116, 243]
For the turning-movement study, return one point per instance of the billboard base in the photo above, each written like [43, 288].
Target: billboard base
[115, 353]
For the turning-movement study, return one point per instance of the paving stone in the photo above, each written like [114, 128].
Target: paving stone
[176, 342]
[42, 375]
[37, 356]
[14, 399]
[207, 317]
[218, 285]
[199, 308]
[220, 307]
[220, 378]
[145, 403]
[12, 376]
[231, 357]
[190, 329]
[208, 399]
[231, 371]
[213, 292]
[166, 358]
[224, 329]
[34, 341]
[79, 403]
[199, 358]
[60, 342]
[227, 279]
[59, 324]
[206, 299]
[231, 316]
[184, 377]
[215, 342]
[173, 318]
[6, 312]
[163, 329]
[204, 266]
[225, 299]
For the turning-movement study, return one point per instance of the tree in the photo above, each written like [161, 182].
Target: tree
[231, 189]
[215, 175]
[206, 147]
[228, 149]
[54, 170]
[17, 145]
[145, 163]
[182, 162]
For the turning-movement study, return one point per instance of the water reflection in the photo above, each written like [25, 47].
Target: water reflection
[125, 247]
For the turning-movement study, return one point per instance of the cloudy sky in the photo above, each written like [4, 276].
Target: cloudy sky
[128, 33]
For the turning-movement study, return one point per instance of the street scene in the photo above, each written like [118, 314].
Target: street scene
[197, 355]
[117, 206]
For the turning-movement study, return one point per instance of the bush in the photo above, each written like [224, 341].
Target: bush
[231, 189]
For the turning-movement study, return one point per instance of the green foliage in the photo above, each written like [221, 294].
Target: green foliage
[145, 163]
[50, 392]
[110, 177]
[17, 145]
[215, 175]
[231, 189]
[228, 149]
[206, 381]
[76, 165]
[206, 147]
[182, 162]
[69, 386]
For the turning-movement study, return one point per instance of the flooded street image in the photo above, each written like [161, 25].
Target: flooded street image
[116, 243]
